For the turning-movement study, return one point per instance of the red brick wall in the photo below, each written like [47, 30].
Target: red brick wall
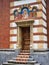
[4, 23]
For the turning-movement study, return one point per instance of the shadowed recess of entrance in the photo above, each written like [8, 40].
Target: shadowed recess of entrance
[25, 38]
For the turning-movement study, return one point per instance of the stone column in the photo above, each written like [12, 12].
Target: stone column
[31, 36]
[19, 37]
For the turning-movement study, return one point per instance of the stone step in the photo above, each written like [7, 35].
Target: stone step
[29, 59]
[17, 61]
[25, 56]
[22, 61]
[22, 58]
[6, 63]
[25, 53]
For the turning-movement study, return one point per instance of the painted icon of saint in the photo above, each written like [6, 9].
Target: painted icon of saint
[34, 10]
[16, 13]
[25, 13]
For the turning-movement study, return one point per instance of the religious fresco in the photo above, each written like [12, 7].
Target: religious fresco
[34, 9]
[25, 13]
[16, 14]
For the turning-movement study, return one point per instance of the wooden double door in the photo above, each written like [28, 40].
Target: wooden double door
[25, 38]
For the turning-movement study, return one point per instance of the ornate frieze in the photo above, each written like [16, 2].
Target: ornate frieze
[25, 12]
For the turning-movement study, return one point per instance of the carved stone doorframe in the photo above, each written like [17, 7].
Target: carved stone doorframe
[19, 37]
